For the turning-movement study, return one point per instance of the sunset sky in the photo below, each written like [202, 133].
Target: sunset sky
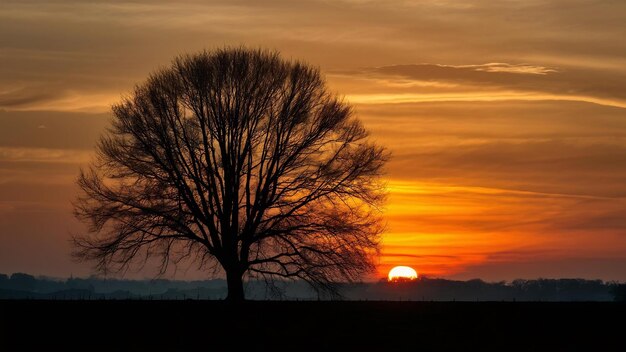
[506, 120]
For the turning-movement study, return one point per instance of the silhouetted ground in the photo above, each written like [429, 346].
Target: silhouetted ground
[319, 326]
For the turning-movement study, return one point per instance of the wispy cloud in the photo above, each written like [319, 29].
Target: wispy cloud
[44, 155]
[486, 82]
[513, 68]
[493, 96]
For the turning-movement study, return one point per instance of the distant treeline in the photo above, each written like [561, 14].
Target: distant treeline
[478, 290]
[24, 286]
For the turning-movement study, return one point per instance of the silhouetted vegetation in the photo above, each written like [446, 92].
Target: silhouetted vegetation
[242, 162]
[23, 286]
[619, 292]
[473, 290]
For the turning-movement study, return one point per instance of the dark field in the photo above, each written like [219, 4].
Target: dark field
[320, 326]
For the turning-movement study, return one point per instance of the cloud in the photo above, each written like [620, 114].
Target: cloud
[491, 82]
[405, 255]
[51, 130]
[26, 170]
[563, 148]
[101, 49]
[482, 73]
[43, 155]
[511, 68]
[538, 166]
[26, 97]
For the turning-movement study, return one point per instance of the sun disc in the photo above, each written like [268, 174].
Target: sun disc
[402, 273]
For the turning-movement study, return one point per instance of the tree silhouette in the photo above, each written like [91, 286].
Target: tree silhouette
[240, 160]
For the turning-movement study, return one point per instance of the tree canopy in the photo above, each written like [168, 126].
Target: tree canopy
[242, 162]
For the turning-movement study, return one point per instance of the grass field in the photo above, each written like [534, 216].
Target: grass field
[311, 326]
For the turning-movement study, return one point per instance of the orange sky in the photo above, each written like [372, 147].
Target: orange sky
[506, 119]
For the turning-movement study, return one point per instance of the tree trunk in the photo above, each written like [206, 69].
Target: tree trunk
[235, 286]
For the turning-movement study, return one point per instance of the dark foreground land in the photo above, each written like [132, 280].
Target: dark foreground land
[319, 326]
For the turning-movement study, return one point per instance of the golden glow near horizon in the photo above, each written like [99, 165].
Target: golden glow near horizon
[402, 273]
[508, 139]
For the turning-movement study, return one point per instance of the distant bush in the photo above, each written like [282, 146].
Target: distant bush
[619, 292]
[24, 282]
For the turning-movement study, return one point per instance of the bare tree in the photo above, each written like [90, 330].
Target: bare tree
[239, 160]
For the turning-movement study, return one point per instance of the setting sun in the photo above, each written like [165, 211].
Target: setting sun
[402, 273]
